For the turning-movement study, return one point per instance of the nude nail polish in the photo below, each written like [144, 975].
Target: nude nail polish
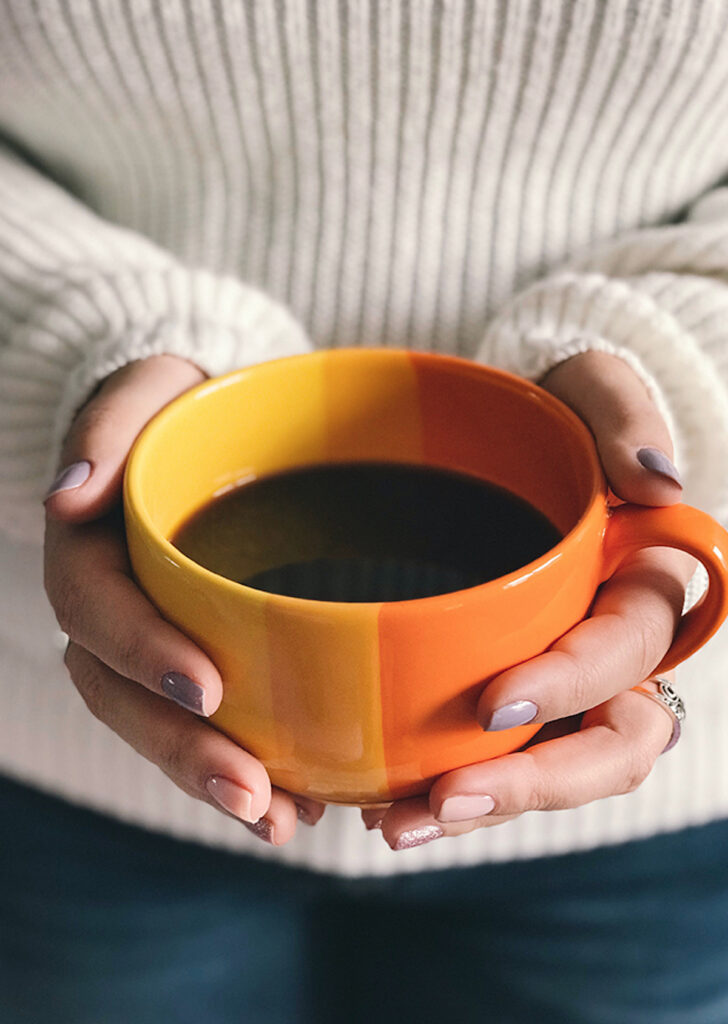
[233, 798]
[465, 807]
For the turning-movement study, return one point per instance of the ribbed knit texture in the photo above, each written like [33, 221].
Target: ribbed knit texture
[231, 181]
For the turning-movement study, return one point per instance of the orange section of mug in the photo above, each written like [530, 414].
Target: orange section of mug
[437, 654]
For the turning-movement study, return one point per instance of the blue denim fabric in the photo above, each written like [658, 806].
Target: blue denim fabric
[101, 923]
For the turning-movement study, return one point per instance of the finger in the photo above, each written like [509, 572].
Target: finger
[200, 760]
[373, 816]
[278, 825]
[98, 443]
[634, 443]
[631, 626]
[308, 811]
[613, 753]
[100, 608]
[410, 823]
[405, 812]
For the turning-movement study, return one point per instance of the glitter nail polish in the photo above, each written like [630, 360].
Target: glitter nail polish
[263, 829]
[418, 837]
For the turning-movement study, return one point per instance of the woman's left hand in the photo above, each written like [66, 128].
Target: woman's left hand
[605, 738]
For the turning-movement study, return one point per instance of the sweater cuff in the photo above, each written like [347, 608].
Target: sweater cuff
[663, 325]
[89, 329]
[215, 322]
[539, 354]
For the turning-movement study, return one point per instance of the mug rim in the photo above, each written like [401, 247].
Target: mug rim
[134, 503]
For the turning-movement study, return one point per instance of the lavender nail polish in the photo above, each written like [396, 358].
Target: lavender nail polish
[181, 689]
[676, 730]
[262, 828]
[657, 462]
[72, 476]
[520, 712]
[418, 837]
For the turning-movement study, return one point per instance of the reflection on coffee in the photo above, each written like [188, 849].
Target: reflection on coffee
[365, 532]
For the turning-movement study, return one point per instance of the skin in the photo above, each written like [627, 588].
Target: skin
[605, 741]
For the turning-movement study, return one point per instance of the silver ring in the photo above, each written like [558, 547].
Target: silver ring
[669, 699]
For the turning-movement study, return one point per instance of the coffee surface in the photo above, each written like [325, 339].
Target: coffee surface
[365, 532]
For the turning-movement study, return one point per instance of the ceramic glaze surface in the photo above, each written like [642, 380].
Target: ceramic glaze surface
[362, 703]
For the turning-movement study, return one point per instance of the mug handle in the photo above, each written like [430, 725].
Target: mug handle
[632, 527]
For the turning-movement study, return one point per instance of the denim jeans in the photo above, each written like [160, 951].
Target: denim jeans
[103, 923]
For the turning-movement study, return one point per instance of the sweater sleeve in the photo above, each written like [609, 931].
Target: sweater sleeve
[79, 298]
[658, 298]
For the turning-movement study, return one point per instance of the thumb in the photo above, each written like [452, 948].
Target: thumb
[632, 438]
[98, 442]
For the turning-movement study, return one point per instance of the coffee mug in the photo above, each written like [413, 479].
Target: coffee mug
[364, 703]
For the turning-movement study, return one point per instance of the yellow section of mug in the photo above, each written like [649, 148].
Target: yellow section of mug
[249, 423]
[325, 682]
[372, 407]
[301, 679]
[227, 622]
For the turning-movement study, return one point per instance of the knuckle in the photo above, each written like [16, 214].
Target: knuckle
[536, 789]
[583, 680]
[186, 757]
[96, 417]
[67, 599]
[130, 653]
[88, 682]
[544, 796]
[650, 641]
[639, 767]
[177, 753]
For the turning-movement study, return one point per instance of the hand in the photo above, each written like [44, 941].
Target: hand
[606, 738]
[137, 673]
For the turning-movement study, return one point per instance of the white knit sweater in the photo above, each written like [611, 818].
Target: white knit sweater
[232, 181]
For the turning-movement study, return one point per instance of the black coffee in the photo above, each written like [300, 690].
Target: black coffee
[365, 532]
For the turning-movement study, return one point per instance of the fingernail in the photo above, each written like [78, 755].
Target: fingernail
[234, 798]
[263, 829]
[184, 692]
[464, 808]
[657, 462]
[676, 730]
[418, 837]
[304, 815]
[72, 476]
[520, 712]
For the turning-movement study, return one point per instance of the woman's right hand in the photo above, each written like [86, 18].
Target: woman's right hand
[138, 674]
